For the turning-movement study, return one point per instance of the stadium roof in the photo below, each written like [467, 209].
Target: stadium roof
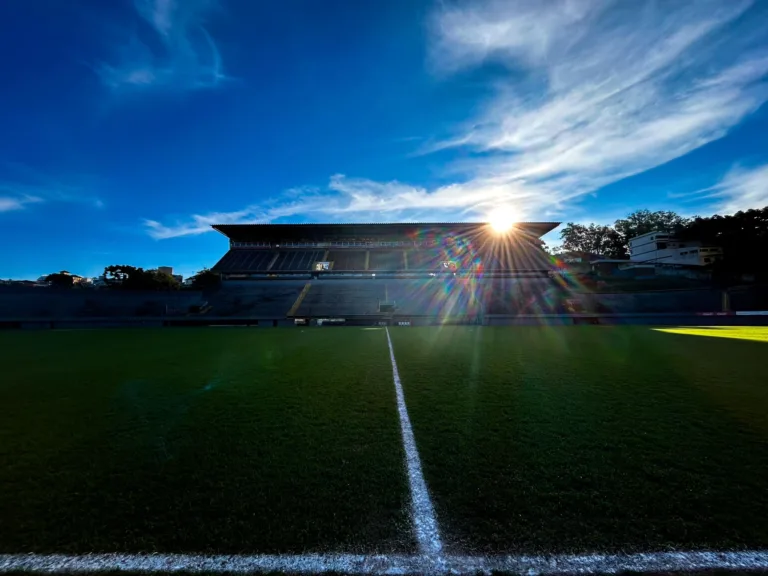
[320, 232]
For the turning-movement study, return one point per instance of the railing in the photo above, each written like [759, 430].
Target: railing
[339, 244]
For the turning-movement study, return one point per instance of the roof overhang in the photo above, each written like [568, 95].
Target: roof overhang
[325, 232]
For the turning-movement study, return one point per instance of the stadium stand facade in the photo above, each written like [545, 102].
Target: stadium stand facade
[256, 250]
[372, 273]
[438, 271]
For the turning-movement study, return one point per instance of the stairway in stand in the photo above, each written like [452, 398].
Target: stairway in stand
[299, 299]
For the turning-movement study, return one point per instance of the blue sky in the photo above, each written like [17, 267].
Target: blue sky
[129, 126]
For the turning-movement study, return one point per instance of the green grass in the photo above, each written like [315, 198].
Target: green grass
[583, 439]
[532, 439]
[204, 440]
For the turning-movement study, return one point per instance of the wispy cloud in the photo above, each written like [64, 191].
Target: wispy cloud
[356, 199]
[181, 55]
[740, 189]
[598, 92]
[16, 202]
[591, 93]
[21, 187]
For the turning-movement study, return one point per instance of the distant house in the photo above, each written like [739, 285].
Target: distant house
[663, 248]
[75, 278]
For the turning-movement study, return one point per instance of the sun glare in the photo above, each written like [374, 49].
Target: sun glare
[502, 219]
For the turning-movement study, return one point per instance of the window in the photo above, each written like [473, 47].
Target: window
[661, 246]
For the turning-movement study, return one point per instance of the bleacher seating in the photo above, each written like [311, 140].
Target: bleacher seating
[442, 297]
[296, 260]
[386, 260]
[522, 296]
[347, 259]
[526, 258]
[425, 298]
[342, 298]
[270, 299]
[424, 259]
[245, 260]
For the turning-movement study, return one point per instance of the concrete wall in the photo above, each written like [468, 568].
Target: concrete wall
[56, 303]
[427, 301]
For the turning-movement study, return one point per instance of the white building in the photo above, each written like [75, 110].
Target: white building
[664, 248]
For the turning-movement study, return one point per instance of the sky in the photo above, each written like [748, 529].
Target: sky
[128, 127]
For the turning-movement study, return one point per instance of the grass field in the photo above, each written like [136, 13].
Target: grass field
[591, 438]
[213, 440]
[532, 439]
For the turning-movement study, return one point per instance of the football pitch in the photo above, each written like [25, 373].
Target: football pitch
[367, 450]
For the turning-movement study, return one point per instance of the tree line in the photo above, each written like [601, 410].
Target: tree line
[742, 236]
[125, 277]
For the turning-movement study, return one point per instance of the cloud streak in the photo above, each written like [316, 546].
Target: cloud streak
[16, 202]
[178, 55]
[28, 187]
[741, 189]
[609, 91]
[346, 199]
[589, 93]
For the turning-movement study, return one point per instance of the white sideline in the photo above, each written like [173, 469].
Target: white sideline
[422, 510]
[382, 565]
[431, 560]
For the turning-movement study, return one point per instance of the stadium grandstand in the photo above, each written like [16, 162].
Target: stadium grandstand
[374, 274]
[264, 250]
[445, 271]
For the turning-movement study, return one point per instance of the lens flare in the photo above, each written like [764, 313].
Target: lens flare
[502, 219]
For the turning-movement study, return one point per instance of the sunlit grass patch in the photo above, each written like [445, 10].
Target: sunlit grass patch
[757, 333]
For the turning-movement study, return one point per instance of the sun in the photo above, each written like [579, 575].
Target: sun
[502, 219]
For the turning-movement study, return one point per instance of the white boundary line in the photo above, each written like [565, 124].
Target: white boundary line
[422, 510]
[430, 561]
[381, 565]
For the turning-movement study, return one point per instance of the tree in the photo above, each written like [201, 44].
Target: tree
[117, 274]
[131, 278]
[742, 236]
[613, 241]
[205, 279]
[60, 280]
[594, 238]
[644, 221]
[157, 280]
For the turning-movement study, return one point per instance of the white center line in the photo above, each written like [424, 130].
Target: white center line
[422, 510]
[385, 564]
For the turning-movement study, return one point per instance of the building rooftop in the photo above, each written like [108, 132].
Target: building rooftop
[379, 231]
